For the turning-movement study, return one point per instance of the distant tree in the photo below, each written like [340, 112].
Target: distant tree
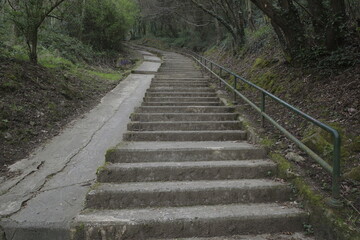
[28, 16]
[229, 13]
[107, 22]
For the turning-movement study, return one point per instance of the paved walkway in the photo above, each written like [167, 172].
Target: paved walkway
[50, 191]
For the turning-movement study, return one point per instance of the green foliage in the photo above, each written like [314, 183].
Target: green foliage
[106, 22]
[28, 17]
[114, 76]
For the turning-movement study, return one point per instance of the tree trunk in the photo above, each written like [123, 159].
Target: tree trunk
[334, 36]
[218, 32]
[250, 18]
[32, 43]
[288, 26]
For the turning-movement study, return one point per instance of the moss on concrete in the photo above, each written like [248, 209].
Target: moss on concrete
[328, 223]
[109, 152]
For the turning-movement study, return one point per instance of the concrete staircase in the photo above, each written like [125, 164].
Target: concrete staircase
[185, 170]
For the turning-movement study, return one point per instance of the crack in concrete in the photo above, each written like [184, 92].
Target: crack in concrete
[83, 184]
[36, 192]
[25, 176]
[39, 190]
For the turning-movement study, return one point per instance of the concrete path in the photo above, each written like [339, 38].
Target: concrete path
[50, 190]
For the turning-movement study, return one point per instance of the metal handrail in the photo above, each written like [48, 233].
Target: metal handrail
[334, 169]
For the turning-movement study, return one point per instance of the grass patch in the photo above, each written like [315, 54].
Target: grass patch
[114, 76]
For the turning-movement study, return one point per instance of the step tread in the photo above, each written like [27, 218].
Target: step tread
[175, 186]
[185, 132]
[189, 145]
[187, 114]
[274, 236]
[199, 164]
[186, 107]
[192, 213]
[188, 122]
[218, 103]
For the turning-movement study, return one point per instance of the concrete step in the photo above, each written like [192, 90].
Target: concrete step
[134, 152]
[179, 94]
[272, 236]
[217, 103]
[166, 81]
[188, 71]
[181, 99]
[155, 117]
[186, 171]
[177, 222]
[186, 193]
[174, 136]
[185, 79]
[180, 89]
[175, 84]
[186, 109]
[179, 69]
[178, 76]
[184, 126]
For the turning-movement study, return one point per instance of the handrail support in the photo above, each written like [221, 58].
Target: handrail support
[334, 170]
[263, 108]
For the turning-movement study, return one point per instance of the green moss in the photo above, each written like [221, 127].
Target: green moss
[319, 145]
[266, 80]
[267, 142]
[321, 141]
[353, 174]
[327, 221]
[284, 167]
[109, 152]
[354, 145]
[261, 63]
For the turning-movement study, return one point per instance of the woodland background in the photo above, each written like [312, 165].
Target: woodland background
[58, 57]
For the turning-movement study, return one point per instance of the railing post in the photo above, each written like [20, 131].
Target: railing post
[335, 198]
[263, 108]
[220, 74]
[235, 86]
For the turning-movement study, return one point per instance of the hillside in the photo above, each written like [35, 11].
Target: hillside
[37, 102]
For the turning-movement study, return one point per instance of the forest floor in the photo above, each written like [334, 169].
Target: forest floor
[36, 102]
[327, 90]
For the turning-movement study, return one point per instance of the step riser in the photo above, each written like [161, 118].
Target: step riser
[190, 228]
[181, 137]
[156, 117]
[178, 75]
[182, 79]
[150, 94]
[182, 104]
[175, 89]
[184, 110]
[174, 85]
[120, 175]
[140, 199]
[187, 71]
[118, 156]
[181, 99]
[179, 126]
[185, 83]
